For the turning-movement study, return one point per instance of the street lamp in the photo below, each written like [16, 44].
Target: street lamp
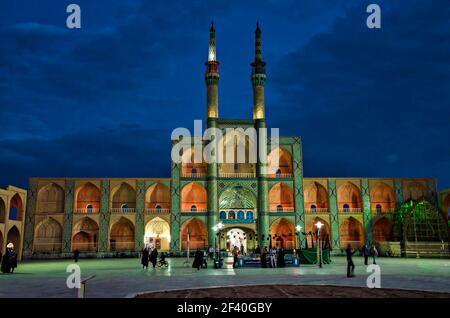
[217, 228]
[319, 245]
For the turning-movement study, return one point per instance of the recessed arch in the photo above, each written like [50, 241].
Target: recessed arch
[315, 196]
[50, 199]
[14, 237]
[382, 197]
[88, 195]
[157, 233]
[349, 194]
[198, 234]
[351, 232]
[16, 208]
[121, 237]
[157, 195]
[2, 211]
[279, 163]
[237, 153]
[192, 163]
[281, 195]
[312, 231]
[85, 235]
[237, 198]
[382, 230]
[123, 194]
[193, 194]
[282, 233]
[48, 237]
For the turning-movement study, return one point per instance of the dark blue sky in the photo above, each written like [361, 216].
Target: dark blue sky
[103, 100]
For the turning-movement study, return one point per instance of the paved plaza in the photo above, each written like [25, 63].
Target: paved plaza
[125, 277]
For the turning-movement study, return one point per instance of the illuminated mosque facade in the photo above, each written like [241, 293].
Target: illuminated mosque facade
[106, 217]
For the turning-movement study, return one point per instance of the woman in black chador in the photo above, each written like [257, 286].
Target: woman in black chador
[9, 261]
[281, 262]
[264, 257]
[144, 258]
[154, 257]
[198, 259]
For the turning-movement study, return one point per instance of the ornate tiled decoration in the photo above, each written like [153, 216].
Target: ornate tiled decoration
[29, 219]
[104, 217]
[367, 214]
[68, 215]
[140, 204]
[398, 192]
[332, 199]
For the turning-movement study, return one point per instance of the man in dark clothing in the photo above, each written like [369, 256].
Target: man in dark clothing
[154, 257]
[350, 266]
[76, 254]
[365, 253]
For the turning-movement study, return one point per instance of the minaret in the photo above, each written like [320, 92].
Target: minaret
[258, 77]
[212, 77]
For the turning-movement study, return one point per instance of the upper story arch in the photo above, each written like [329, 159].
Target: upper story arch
[50, 199]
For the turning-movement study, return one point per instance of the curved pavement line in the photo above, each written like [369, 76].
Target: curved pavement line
[133, 295]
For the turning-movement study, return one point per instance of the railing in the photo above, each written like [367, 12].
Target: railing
[157, 211]
[381, 212]
[280, 175]
[122, 210]
[317, 210]
[85, 210]
[237, 175]
[193, 175]
[350, 210]
[283, 209]
[197, 210]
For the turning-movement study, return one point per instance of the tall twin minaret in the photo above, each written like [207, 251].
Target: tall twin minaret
[212, 77]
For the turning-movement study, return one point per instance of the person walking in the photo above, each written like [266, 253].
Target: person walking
[76, 255]
[235, 256]
[350, 266]
[144, 258]
[272, 255]
[264, 258]
[154, 257]
[374, 253]
[198, 259]
[365, 253]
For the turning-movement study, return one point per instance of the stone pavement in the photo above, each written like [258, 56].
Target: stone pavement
[125, 277]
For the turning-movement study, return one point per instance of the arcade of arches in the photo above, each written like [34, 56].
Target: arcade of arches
[281, 198]
[88, 198]
[193, 198]
[50, 199]
[282, 234]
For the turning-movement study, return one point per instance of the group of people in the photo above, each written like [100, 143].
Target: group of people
[9, 260]
[151, 255]
[276, 256]
[366, 251]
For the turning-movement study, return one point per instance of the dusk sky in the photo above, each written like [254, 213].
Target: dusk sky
[102, 101]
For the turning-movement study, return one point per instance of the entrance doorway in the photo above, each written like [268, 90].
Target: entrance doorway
[243, 239]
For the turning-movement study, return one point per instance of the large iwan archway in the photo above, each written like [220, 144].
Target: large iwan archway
[157, 234]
